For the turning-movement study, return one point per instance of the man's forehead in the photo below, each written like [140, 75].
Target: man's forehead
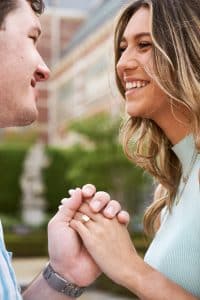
[29, 18]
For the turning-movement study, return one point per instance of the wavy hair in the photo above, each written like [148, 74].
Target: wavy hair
[175, 32]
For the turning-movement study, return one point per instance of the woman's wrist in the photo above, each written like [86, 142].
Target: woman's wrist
[130, 274]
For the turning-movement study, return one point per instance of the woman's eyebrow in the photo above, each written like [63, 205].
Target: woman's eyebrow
[136, 36]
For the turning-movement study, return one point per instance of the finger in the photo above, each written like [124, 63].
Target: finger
[64, 200]
[85, 219]
[112, 209]
[99, 201]
[80, 228]
[71, 191]
[85, 209]
[123, 217]
[69, 206]
[88, 190]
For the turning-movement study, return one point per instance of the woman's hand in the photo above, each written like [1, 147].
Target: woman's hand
[101, 202]
[107, 241]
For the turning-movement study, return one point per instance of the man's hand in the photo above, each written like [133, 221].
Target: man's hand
[68, 256]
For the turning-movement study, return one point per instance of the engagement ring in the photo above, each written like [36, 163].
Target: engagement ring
[85, 218]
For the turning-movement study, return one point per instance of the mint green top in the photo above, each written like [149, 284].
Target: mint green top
[175, 250]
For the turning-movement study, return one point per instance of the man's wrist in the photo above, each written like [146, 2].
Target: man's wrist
[61, 284]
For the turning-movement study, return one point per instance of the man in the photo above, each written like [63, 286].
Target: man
[71, 267]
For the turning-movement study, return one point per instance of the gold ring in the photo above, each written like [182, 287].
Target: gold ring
[85, 218]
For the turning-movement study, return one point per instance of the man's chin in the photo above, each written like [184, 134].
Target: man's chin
[25, 119]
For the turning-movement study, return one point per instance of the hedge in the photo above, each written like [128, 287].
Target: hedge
[11, 162]
[33, 244]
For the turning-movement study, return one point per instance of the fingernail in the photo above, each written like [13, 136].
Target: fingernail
[96, 204]
[88, 191]
[110, 210]
[71, 191]
[64, 200]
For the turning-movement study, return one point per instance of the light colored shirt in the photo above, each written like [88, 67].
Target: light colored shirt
[9, 290]
[175, 250]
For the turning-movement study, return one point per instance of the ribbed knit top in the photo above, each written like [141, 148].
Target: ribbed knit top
[175, 250]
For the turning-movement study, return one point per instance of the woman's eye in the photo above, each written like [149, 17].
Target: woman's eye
[144, 45]
[122, 49]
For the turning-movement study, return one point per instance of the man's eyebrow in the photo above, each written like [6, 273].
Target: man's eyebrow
[136, 36]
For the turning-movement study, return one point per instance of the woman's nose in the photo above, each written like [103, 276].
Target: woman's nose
[42, 73]
[126, 62]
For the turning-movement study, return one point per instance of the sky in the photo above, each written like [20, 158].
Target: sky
[84, 5]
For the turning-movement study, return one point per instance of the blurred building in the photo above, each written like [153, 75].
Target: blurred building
[82, 81]
[59, 23]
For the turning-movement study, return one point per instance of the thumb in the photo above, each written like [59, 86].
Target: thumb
[69, 206]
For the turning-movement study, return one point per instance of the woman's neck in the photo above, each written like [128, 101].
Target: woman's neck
[175, 125]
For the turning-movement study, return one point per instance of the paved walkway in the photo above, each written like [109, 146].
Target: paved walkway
[27, 269]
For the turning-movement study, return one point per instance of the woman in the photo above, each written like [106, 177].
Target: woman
[157, 55]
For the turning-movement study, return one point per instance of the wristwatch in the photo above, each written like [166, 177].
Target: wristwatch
[60, 284]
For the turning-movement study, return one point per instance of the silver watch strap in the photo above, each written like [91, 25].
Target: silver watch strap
[60, 284]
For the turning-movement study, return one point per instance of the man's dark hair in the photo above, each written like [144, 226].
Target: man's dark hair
[6, 6]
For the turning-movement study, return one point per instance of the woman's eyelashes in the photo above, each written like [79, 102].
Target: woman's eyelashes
[144, 45]
[122, 47]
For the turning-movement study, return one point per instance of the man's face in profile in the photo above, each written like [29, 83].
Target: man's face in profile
[21, 66]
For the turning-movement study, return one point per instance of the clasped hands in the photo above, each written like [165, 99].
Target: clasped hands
[79, 249]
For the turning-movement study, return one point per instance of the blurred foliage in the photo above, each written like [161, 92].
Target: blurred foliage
[99, 160]
[11, 161]
[32, 244]
[25, 137]
[54, 177]
[104, 164]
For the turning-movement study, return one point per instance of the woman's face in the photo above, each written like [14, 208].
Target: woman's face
[143, 96]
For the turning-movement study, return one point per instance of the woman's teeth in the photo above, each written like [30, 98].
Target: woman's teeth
[136, 84]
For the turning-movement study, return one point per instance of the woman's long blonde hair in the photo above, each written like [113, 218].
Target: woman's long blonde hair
[176, 37]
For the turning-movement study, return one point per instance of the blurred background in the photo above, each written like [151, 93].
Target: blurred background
[74, 141]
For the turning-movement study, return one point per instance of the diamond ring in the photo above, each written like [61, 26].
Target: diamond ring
[85, 218]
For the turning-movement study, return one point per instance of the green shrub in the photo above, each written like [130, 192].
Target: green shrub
[32, 244]
[11, 162]
[54, 177]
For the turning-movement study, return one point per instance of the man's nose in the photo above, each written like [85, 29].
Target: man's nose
[42, 73]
